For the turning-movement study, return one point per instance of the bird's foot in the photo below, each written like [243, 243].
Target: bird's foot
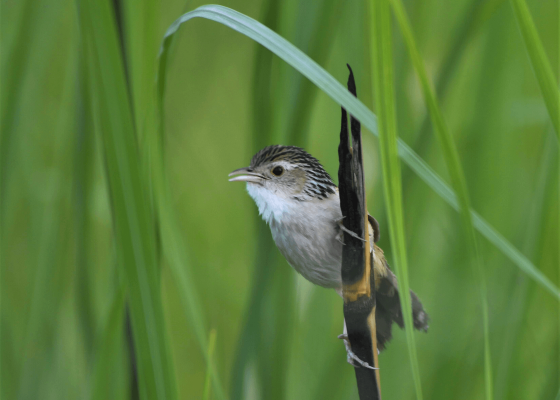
[348, 231]
[351, 357]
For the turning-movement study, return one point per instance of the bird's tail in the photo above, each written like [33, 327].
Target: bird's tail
[388, 308]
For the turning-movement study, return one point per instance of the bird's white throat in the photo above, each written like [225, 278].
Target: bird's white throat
[271, 205]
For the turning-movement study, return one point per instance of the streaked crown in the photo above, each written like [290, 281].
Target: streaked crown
[319, 183]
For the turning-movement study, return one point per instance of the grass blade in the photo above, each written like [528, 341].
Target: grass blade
[83, 168]
[13, 68]
[258, 32]
[140, 21]
[453, 164]
[384, 94]
[211, 346]
[539, 61]
[108, 349]
[132, 217]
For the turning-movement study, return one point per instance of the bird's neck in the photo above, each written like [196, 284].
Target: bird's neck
[278, 208]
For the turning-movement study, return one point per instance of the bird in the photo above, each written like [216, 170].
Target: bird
[300, 202]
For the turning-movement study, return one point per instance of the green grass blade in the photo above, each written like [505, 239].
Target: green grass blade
[83, 167]
[539, 61]
[453, 164]
[13, 66]
[211, 346]
[282, 48]
[384, 94]
[141, 20]
[132, 217]
[108, 348]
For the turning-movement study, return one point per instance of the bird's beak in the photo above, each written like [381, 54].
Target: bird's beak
[246, 175]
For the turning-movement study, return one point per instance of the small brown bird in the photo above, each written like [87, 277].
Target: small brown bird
[300, 202]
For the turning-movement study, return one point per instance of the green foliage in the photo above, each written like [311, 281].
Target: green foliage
[132, 217]
[329, 85]
[95, 220]
[453, 165]
[539, 61]
[384, 95]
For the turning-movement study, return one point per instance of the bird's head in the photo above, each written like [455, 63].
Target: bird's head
[280, 175]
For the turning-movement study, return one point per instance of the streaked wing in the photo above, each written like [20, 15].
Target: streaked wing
[388, 305]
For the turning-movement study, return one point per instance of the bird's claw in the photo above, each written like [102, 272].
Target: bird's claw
[348, 231]
[340, 238]
[351, 357]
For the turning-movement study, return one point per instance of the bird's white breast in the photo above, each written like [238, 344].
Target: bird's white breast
[305, 233]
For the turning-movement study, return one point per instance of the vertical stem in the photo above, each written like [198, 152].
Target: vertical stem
[358, 280]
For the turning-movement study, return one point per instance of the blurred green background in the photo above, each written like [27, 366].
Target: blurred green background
[65, 322]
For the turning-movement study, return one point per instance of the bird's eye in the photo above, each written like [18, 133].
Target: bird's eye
[278, 171]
